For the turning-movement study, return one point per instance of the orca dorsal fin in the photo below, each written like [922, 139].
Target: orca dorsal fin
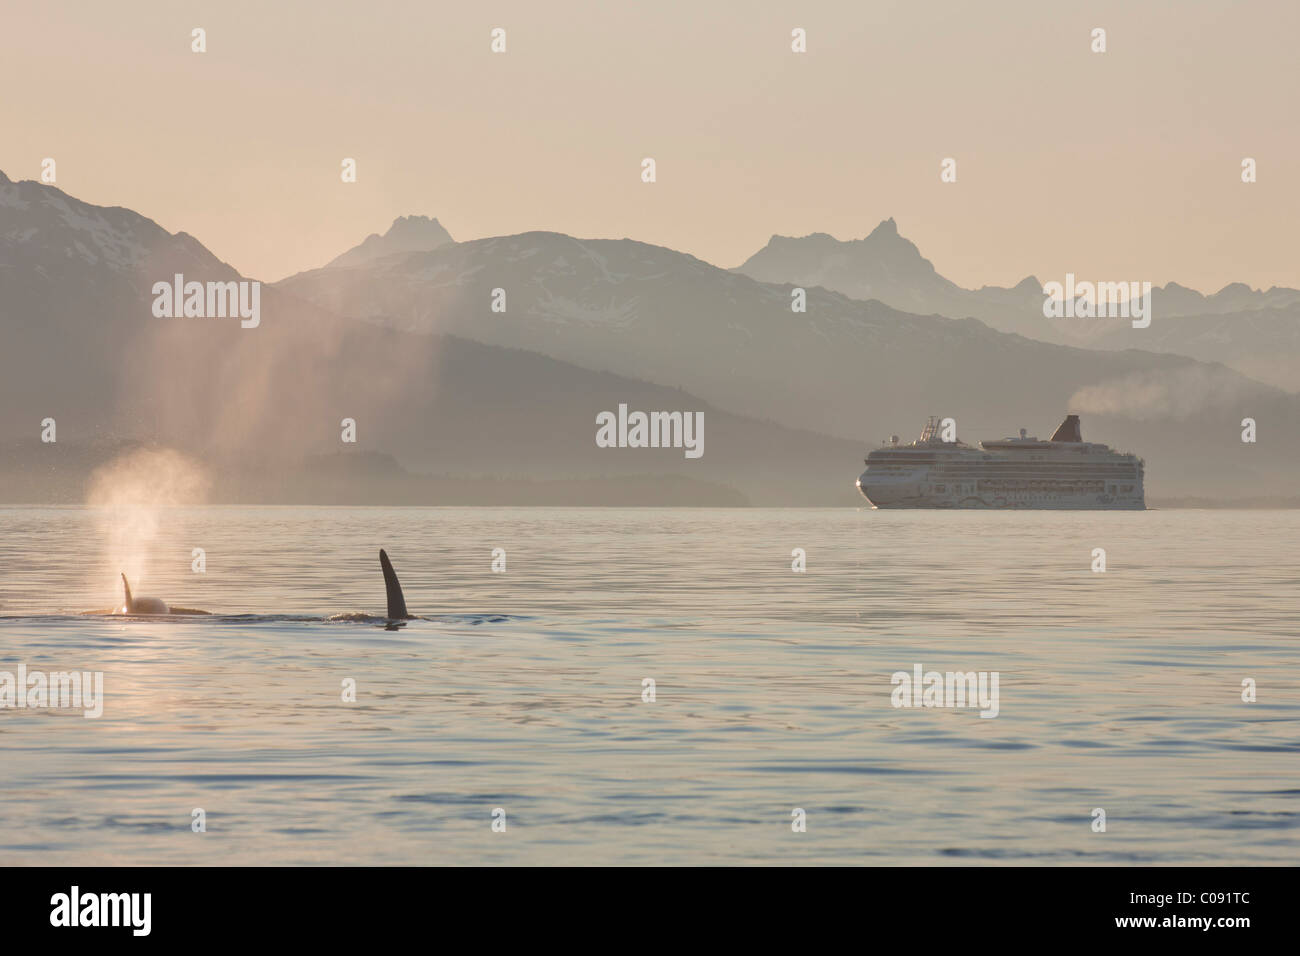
[396, 603]
[127, 588]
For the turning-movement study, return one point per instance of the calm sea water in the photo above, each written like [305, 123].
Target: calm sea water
[523, 690]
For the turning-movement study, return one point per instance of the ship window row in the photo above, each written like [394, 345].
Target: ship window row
[1034, 472]
[893, 461]
[1049, 474]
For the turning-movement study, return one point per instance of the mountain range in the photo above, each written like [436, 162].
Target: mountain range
[490, 359]
[1256, 332]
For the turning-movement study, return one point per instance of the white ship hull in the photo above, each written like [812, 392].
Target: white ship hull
[885, 496]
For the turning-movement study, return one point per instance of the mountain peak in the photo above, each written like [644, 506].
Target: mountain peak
[871, 268]
[406, 234]
[1235, 288]
[888, 229]
[418, 226]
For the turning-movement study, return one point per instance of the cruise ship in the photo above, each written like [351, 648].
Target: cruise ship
[1063, 472]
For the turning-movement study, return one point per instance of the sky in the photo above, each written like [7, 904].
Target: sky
[1123, 165]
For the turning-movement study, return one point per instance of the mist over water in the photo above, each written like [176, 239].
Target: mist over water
[1119, 690]
[130, 498]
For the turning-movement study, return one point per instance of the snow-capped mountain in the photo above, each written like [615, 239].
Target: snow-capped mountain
[48, 239]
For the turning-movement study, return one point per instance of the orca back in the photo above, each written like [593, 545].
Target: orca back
[143, 605]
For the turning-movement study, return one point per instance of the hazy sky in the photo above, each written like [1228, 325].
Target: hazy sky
[1116, 166]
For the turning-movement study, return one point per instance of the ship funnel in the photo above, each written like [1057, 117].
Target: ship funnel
[1068, 430]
